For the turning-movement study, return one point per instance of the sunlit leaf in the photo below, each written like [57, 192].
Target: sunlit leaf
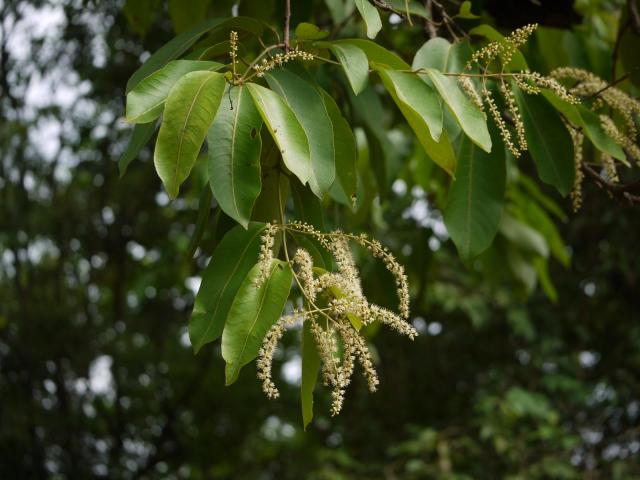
[285, 130]
[234, 154]
[146, 101]
[371, 17]
[189, 112]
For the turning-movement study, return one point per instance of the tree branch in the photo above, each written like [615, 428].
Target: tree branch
[617, 190]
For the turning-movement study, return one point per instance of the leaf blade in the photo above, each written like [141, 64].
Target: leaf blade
[189, 111]
[354, 63]
[234, 156]
[229, 265]
[253, 312]
[371, 17]
[285, 129]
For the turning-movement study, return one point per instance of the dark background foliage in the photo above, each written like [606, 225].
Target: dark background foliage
[97, 377]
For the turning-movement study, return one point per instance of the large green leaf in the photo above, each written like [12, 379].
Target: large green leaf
[549, 142]
[140, 135]
[470, 118]
[189, 112]
[344, 187]
[590, 123]
[234, 154]
[476, 198]
[308, 106]
[421, 107]
[229, 265]
[438, 53]
[253, 312]
[310, 369]
[354, 63]
[173, 49]
[285, 129]
[371, 17]
[146, 101]
[376, 53]
[418, 97]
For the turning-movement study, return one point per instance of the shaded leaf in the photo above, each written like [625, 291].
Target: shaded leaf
[476, 198]
[549, 142]
[253, 312]
[140, 136]
[285, 129]
[523, 236]
[185, 14]
[344, 187]
[204, 213]
[234, 154]
[310, 369]
[229, 265]
[309, 31]
[189, 112]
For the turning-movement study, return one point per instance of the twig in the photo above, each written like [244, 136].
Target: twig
[287, 21]
[634, 16]
[607, 87]
[621, 191]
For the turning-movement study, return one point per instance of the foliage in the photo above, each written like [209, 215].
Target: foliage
[505, 380]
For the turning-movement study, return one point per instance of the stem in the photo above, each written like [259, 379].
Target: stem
[287, 20]
[248, 74]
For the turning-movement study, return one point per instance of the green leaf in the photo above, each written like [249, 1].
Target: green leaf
[549, 142]
[171, 50]
[310, 369]
[441, 55]
[590, 123]
[204, 213]
[523, 236]
[371, 17]
[189, 112]
[421, 107]
[476, 198]
[234, 154]
[470, 118]
[253, 312]
[309, 108]
[376, 53]
[412, 7]
[418, 98]
[231, 261]
[146, 101]
[140, 135]
[184, 16]
[354, 63]
[344, 187]
[285, 129]
[465, 11]
[309, 31]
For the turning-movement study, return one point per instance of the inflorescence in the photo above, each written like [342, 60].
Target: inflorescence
[334, 306]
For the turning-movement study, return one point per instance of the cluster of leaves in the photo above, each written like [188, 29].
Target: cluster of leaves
[309, 147]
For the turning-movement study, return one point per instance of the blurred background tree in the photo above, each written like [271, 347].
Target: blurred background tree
[97, 375]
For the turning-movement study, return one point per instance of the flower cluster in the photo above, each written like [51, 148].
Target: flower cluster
[336, 308]
[233, 49]
[505, 49]
[280, 59]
